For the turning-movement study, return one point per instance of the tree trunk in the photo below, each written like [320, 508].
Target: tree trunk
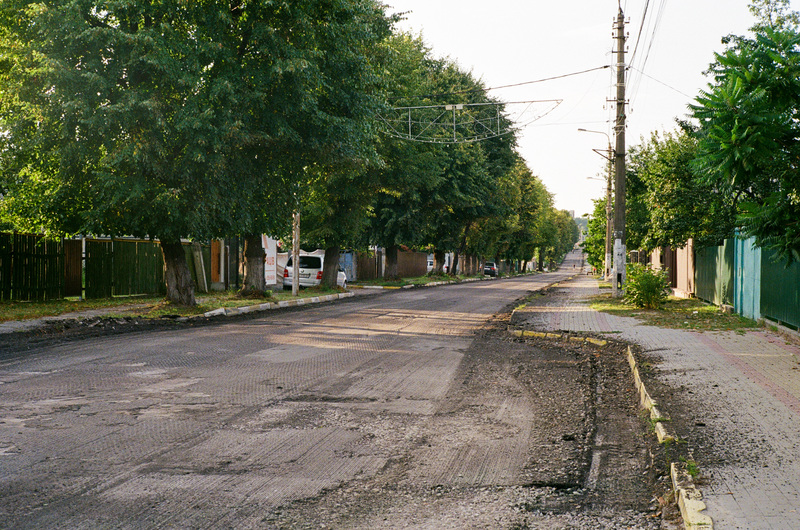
[438, 262]
[391, 263]
[541, 260]
[330, 267]
[180, 286]
[255, 257]
[462, 251]
[296, 254]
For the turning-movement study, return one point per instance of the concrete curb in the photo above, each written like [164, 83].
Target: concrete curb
[231, 311]
[690, 500]
[557, 336]
[647, 403]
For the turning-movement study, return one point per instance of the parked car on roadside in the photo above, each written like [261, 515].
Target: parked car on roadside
[310, 272]
[490, 268]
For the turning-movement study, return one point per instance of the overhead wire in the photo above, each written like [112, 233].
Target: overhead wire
[662, 83]
[647, 37]
[474, 90]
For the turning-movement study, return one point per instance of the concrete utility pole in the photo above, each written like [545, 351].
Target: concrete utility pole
[618, 277]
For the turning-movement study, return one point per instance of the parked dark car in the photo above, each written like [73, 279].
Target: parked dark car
[490, 268]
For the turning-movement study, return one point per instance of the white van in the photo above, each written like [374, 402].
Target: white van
[310, 272]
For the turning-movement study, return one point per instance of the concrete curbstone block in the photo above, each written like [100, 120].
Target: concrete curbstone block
[690, 500]
[662, 434]
[535, 334]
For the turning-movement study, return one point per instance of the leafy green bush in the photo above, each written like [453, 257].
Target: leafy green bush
[646, 287]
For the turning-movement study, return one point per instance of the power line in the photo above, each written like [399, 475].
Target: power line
[652, 23]
[473, 90]
[662, 83]
[639, 35]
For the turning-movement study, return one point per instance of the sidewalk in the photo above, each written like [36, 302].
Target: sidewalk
[741, 391]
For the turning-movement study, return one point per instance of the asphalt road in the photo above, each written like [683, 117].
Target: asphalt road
[383, 411]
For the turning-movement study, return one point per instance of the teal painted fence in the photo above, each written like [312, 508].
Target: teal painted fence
[780, 290]
[714, 267]
[747, 278]
[750, 279]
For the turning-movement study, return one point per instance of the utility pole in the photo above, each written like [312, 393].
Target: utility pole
[618, 277]
[609, 215]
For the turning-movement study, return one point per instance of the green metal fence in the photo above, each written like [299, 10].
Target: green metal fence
[31, 268]
[780, 290]
[714, 268]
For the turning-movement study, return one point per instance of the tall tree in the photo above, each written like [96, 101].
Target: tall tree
[677, 204]
[409, 170]
[748, 135]
[172, 120]
[595, 243]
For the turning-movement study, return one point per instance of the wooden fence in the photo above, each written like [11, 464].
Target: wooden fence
[368, 266]
[412, 264]
[35, 268]
[31, 268]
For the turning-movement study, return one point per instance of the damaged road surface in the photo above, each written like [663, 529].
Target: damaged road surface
[412, 409]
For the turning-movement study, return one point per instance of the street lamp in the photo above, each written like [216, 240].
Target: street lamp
[609, 218]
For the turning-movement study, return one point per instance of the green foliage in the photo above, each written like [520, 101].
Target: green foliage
[675, 203]
[435, 195]
[646, 287]
[749, 135]
[595, 243]
[174, 119]
[773, 14]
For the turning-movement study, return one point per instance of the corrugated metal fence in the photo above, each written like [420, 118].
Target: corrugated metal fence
[714, 273]
[780, 290]
[750, 279]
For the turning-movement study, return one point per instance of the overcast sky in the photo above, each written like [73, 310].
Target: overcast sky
[505, 42]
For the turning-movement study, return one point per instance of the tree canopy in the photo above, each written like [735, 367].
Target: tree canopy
[208, 119]
[748, 143]
[174, 120]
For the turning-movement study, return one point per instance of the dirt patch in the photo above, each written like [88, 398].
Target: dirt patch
[531, 434]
